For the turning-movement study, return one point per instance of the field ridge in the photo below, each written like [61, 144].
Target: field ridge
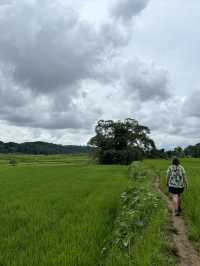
[141, 232]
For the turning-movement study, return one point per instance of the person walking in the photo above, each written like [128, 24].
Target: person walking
[177, 183]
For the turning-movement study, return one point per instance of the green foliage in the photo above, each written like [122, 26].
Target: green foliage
[190, 151]
[139, 236]
[121, 141]
[139, 171]
[179, 152]
[155, 153]
[120, 156]
[137, 208]
[162, 154]
[193, 151]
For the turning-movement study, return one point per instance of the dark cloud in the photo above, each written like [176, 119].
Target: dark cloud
[127, 9]
[146, 81]
[5, 2]
[115, 35]
[46, 52]
[48, 48]
[22, 108]
[74, 118]
[192, 105]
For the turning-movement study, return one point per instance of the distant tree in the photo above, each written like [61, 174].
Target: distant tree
[179, 152]
[156, 153]
[170, 154]
[121, 141]
[193, 151]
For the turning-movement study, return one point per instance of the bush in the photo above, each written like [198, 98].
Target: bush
[120, 156]
[138, 170]
[13, 162]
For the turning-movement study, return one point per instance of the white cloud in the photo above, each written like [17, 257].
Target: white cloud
[61, 70]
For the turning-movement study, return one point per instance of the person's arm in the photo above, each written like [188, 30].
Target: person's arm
[185, 178]
[168, 176]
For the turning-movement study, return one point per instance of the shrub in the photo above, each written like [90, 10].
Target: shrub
[120, 156]
[13, 162]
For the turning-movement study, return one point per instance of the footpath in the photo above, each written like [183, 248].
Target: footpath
[186, 252]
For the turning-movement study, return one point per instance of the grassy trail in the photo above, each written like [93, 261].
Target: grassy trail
[191, 197]
[186, 252]
[191, 207]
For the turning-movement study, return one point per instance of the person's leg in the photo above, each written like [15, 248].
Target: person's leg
[175, 201]
[179, 202]
[176, 204]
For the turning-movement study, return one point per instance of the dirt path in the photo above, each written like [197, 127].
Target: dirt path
[187, 254]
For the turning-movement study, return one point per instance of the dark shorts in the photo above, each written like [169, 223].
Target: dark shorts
[175, 190]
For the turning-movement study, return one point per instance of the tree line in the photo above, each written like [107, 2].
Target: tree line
[40, 147]
[192, 151]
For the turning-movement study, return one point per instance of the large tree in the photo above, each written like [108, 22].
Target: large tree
[121, 141]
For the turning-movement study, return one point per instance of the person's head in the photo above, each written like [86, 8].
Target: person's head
[175, 161]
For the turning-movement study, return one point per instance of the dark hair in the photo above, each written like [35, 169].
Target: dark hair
[175, 161]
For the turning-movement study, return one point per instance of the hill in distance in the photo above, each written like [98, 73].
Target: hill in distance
[40, 147]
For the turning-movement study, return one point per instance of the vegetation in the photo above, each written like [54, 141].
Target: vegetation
[140, 235]
[13, 162]
[57, 214]
[65, 210]
[193, 151]
[191, 197]
[40, 147]
[72, 214]
[45, 159]
[190, 151]
[121, 142]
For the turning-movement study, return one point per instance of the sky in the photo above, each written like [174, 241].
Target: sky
[64, 65]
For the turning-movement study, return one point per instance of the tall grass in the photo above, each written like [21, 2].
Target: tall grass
[57, 215]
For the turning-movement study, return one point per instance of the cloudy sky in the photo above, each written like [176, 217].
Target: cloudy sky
[66, 64]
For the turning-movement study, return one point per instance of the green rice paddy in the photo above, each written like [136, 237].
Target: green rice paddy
[67, 211]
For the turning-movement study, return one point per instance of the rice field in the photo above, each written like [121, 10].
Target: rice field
[57, 214]
[67, 211]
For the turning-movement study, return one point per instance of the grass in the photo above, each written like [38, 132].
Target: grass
[66, 211]
[140, 237]
[57, 215]
[44, 159]
[191, 197]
